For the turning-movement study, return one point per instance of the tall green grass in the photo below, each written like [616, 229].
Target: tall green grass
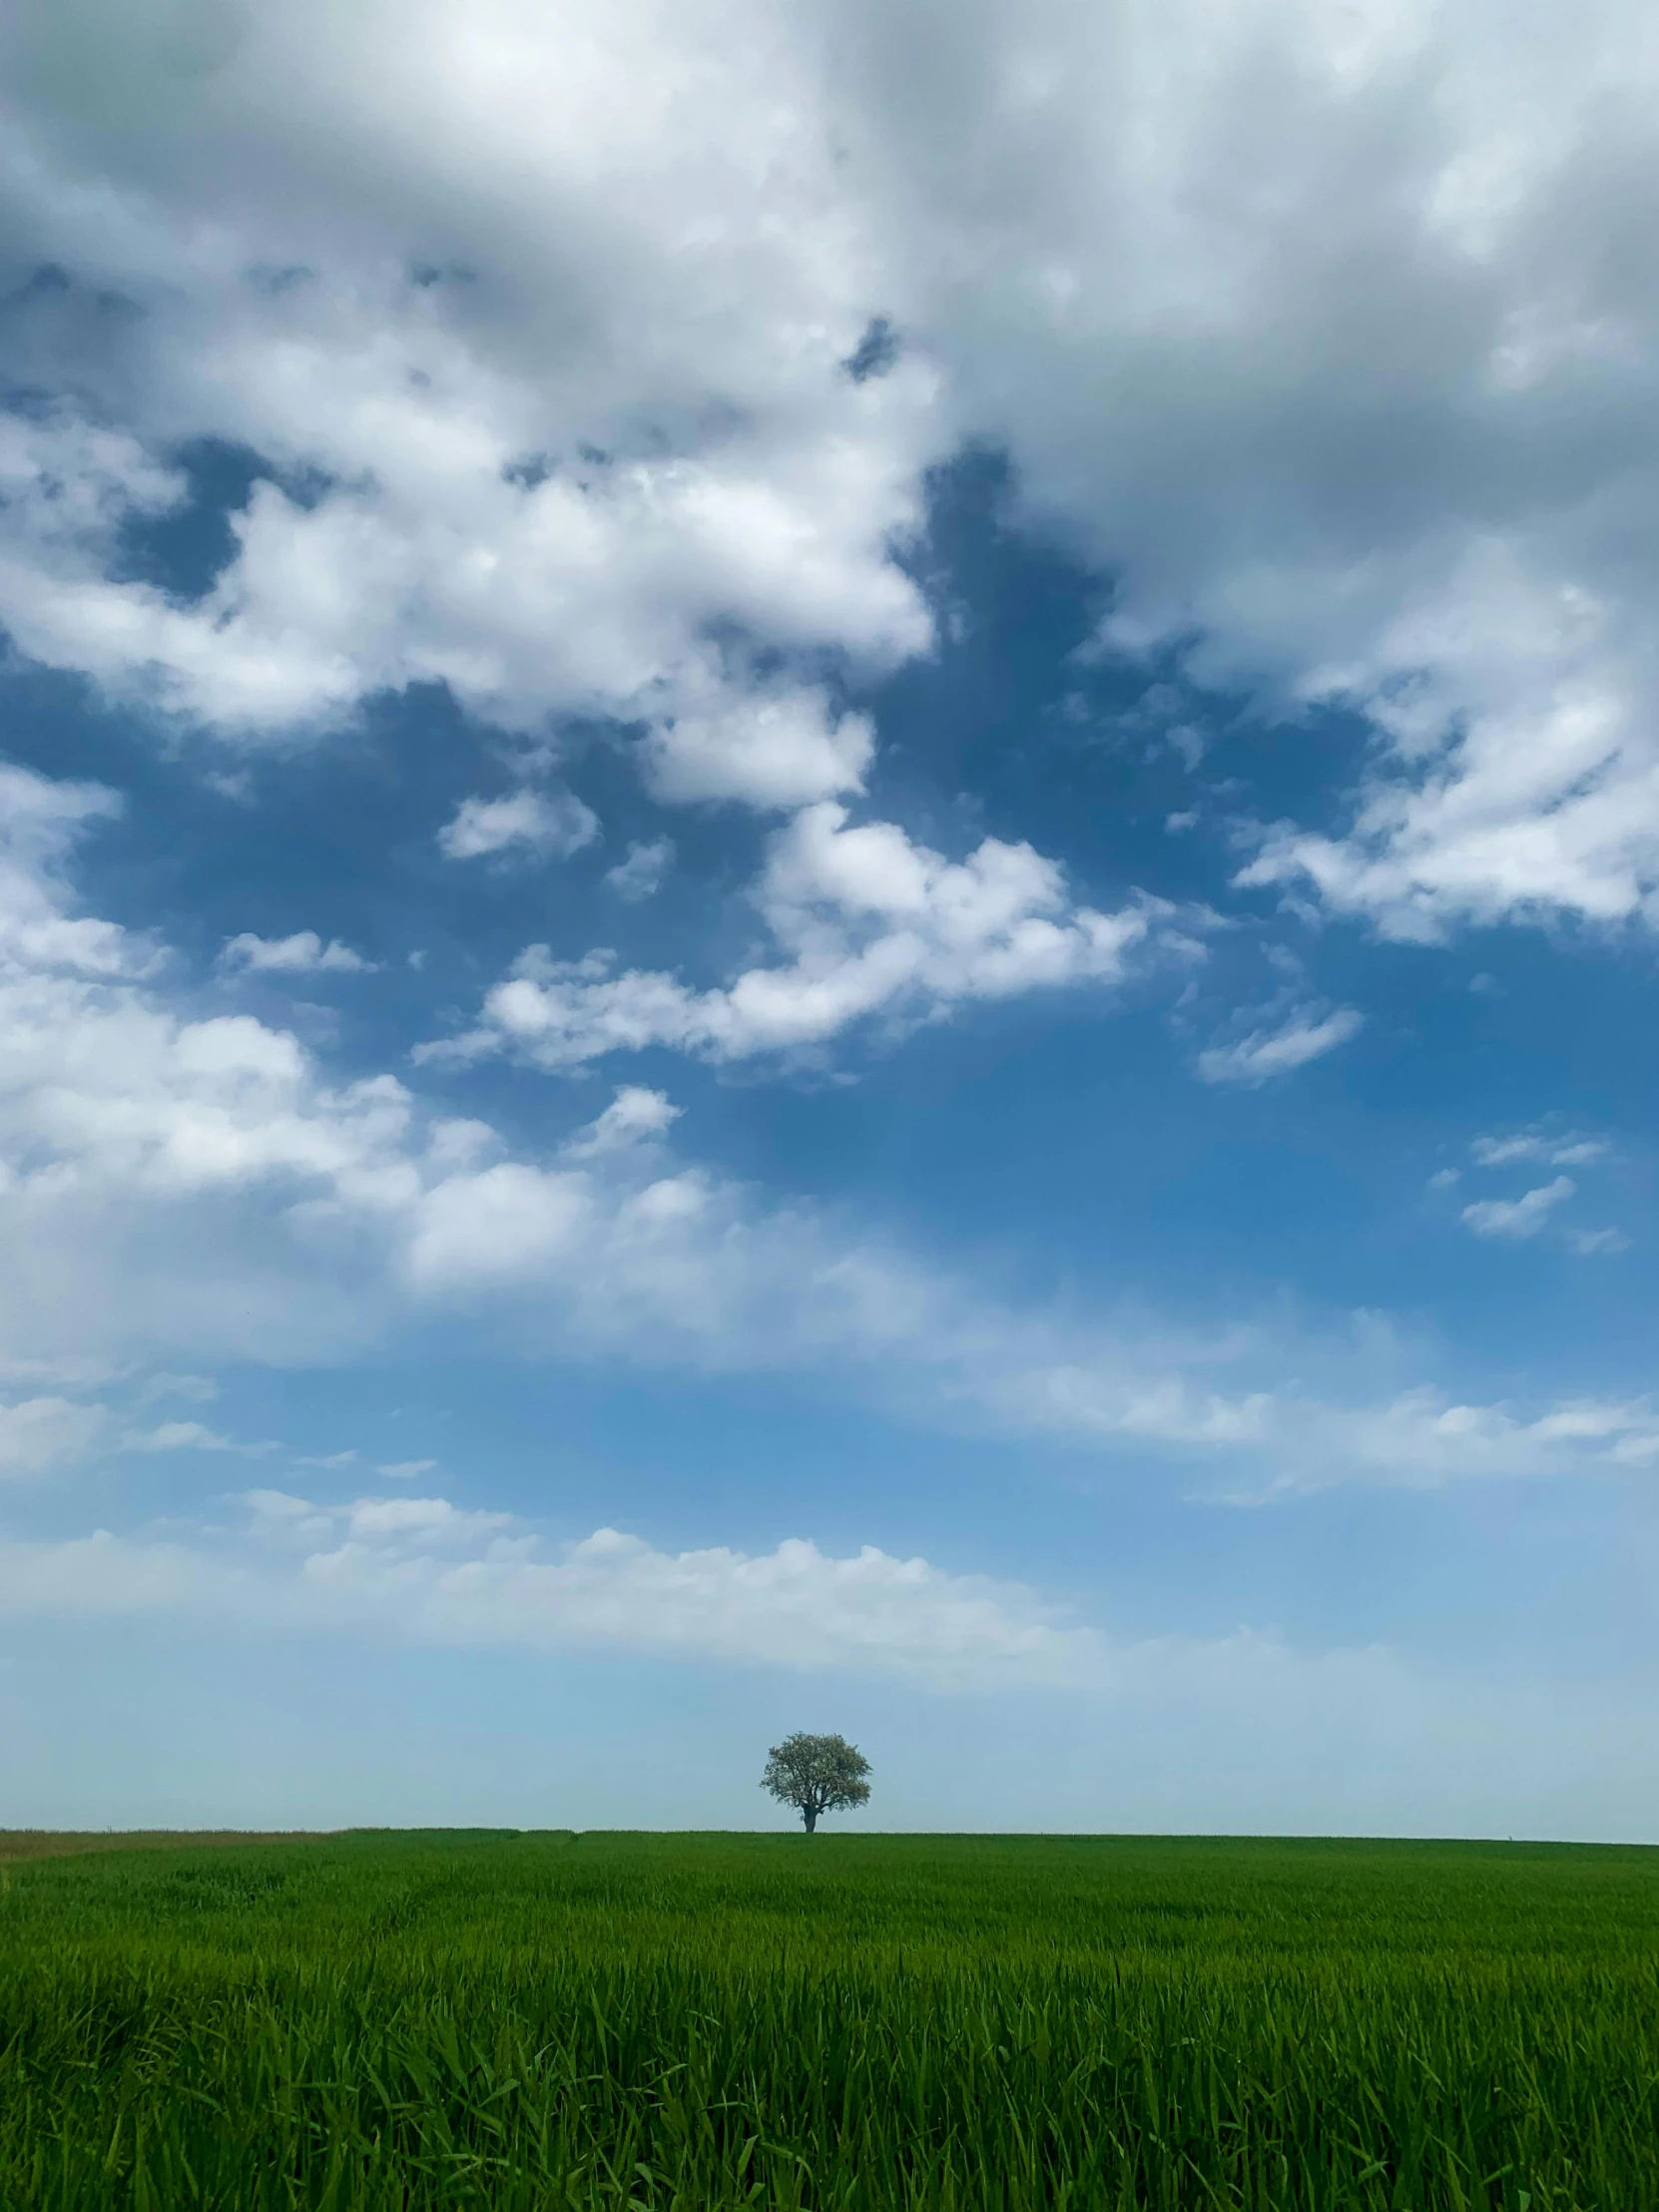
[404, 2021]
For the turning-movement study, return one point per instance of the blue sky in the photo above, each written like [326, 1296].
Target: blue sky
[827, 876]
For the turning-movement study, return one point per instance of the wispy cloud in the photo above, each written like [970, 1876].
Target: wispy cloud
[1521, 1216]
[635, 1116]
[1280, 1046]
[191, 1435]
[1552, 1149]
[1597, 1243]
[1528, 1215]
[641, 874]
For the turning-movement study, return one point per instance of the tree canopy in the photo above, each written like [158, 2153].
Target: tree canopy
[817, 1774]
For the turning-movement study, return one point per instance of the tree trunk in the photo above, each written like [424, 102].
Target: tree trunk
[809, 1814]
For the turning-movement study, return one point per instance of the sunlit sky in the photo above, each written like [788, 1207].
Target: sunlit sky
[828, 862]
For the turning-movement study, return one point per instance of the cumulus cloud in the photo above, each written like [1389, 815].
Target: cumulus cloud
[554, 824]
[131, 1137]
[174, 1189]
[1303, 1034]
[873, 925]
[772, 748]
[1375, 432]
[547, 396]
[304, 954]
[545, 402]
[1521, 1216]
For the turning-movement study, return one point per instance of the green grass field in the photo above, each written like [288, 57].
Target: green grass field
[703, 2021]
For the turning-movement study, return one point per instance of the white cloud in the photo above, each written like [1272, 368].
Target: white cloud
[1530, 693]
[122, 1124]
[304, 954]
[1246, 1732]
[1518, 1217]
[1552, 1149]
[40, 821]
[556, 824]
[613, 427]
[1304, 1033]
[1281, 1440]
[772, 748]
[419, 1521]
[189, 1436]
[1375, 426]
[406, 1471]
[38, 1435]
[634, 1116]
[421, 1570]
[505, 1224]
[354, 1571]
[639, 875]
[1596, 1243]
[177, 1435]
[874, 924]
[200, 1389]
[101, 1575]
[1526, 1216]
[794, 1607]
[280, 1516]
[176, 1191]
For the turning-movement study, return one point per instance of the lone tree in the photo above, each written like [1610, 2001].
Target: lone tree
[817, 1774]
